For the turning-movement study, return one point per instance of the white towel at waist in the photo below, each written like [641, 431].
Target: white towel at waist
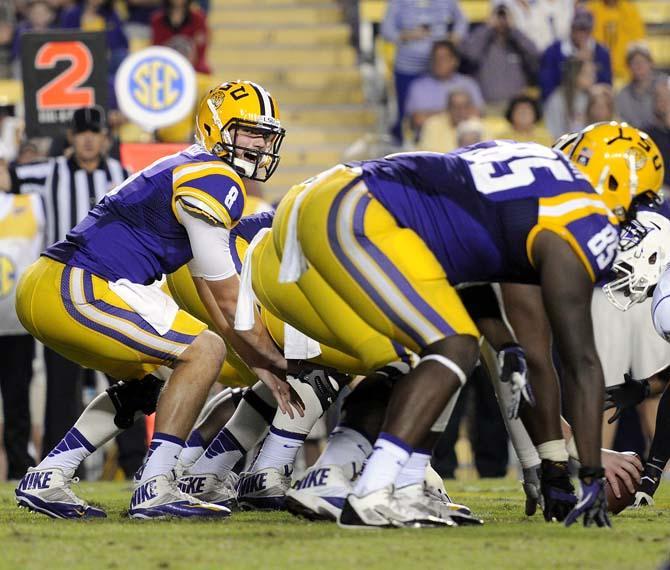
[149, 301]
[298, 346]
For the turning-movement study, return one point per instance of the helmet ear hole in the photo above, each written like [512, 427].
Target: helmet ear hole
[208, 129]
[612, 183]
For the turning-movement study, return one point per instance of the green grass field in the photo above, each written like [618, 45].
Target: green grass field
[639, 539]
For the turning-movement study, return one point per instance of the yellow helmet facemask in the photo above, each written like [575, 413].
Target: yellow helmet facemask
[241, 107]
[620, 161]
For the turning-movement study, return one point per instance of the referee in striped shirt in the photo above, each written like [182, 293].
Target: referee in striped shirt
[70, 186]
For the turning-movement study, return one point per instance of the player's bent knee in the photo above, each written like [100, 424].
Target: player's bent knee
[458, 354]
[208, 346]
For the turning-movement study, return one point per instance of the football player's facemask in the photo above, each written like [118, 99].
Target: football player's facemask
[642, 257]
[238, 121]
[620, 161]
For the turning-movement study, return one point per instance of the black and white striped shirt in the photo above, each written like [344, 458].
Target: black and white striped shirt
[68, 191]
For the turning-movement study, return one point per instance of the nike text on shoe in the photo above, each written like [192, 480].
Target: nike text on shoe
[159, 497]
[264, 489]
[48, 491]
[319, 494]
[211, 488]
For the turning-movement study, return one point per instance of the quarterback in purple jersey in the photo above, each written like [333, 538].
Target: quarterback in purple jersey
[95, 298]
[393, 237]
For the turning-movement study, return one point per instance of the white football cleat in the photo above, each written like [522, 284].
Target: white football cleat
[320, 493]
[415, 497]
[211, 488]
[48, 491]
[160, 497]
[264, 489]
[380, 509]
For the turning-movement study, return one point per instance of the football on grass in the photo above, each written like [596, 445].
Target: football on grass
[615, 505]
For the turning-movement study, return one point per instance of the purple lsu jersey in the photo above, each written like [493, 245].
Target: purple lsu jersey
[479, 208]
[134, 232]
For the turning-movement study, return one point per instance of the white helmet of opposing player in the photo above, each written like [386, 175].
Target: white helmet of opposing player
[642, 257]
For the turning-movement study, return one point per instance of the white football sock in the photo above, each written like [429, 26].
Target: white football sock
[194, 448]
[287, 435]
[414, 471]
[162, 456]
[94, 428]
[345, 446]
[240, 434]
[220, 456]
[279, 448]
[252, 416]
[388, 457]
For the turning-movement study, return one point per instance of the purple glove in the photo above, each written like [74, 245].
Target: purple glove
[593, 504]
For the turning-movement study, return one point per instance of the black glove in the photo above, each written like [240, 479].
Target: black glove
[625, 395]
[593, 504]
[557, 490]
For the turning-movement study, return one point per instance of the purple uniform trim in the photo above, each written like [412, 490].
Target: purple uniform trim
[395, 275]
[160, 436]
[288, 434]
[131, 316]
[218, 186]
[395, 441]
[338, 250]
[72, 310]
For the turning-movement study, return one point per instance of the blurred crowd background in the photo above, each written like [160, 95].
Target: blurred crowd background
[354, 79]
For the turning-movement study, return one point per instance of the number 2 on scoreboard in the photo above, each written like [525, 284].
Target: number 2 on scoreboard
[64, 91]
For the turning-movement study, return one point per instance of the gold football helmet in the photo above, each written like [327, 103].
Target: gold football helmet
[620, 161]
[241, 106]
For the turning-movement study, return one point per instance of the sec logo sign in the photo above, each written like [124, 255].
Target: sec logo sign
[155, 87]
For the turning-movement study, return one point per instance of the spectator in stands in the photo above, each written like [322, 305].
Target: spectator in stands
[543, 21]
[40, 16]
[634, 101]
[138, 24]
[439, 131]
[659, 129]
[428, 93]
[182, 26]
[524, 115]
[505, 59]
[580, 45]
[616, 24]
[413, 26]
[97, 16]
[565, 110]
[7, 22]
[470, 131]
[600, 104]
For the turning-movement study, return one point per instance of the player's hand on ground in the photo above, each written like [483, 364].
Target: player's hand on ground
[558, 493]
[626, 467]
[531, 487]
[514, 372]
[287, 398]
[626, 395]
[592, 507]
